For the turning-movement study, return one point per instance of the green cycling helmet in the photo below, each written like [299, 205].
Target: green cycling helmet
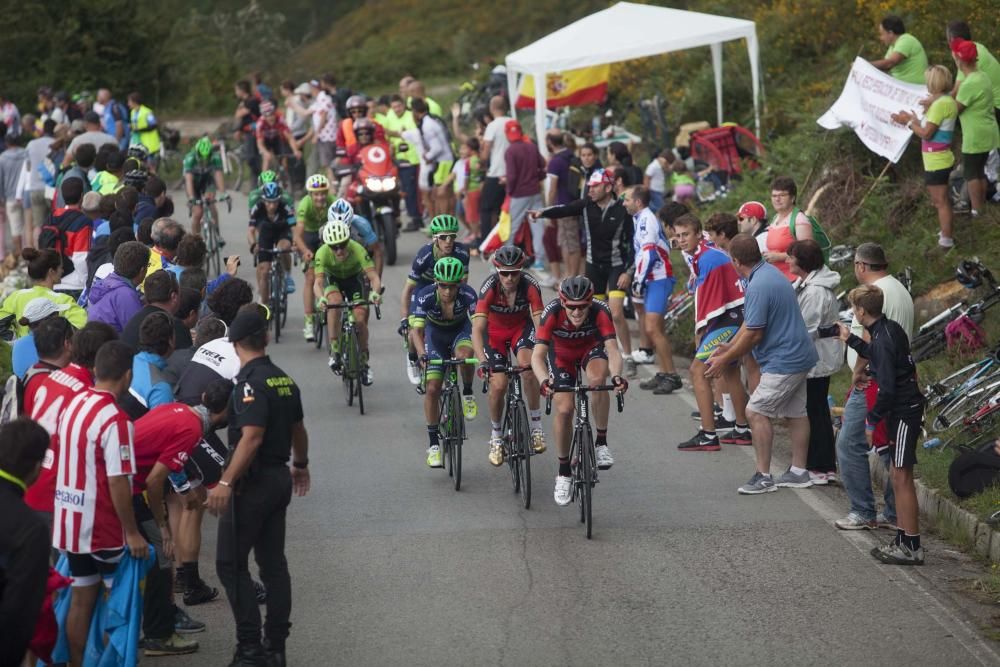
[444, 224]
[449, 269]
[204, 147]
[267, 177]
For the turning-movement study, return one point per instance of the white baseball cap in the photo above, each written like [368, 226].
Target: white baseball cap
[40, 308]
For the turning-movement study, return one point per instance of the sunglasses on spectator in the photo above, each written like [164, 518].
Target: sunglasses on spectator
[447, 286]
[446, 237]
[340, 246]
[576, 306]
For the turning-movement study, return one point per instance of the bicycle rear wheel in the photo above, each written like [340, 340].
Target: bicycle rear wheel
[234, 171]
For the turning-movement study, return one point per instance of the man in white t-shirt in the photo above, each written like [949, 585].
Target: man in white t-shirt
[94, 135]
[655, 179]
[870, 268]
[493, 149]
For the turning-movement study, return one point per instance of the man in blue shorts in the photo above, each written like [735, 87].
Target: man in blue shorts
[718, 314]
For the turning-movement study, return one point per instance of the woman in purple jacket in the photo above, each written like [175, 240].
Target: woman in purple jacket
[115, 299]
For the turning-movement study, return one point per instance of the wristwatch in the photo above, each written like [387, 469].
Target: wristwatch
[226, 484]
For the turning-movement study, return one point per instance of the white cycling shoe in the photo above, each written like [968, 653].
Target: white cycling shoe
[564, 491]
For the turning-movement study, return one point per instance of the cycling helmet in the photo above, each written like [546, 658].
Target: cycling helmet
[449, 270]
[271, 192]
[340, 211]
[139, 152]
[508, 257]
[204, 147]
[335, 232]
[969, 274]
[364, 124]
[136, 178]
[357, 102]
[267, 177]
[444, 224]
[576, 288]
[317, 182]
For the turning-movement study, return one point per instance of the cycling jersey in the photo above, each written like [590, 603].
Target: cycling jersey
[569, 344]
[429, 310]
[506, 321]
[312, 218]
[194, 164]
[271, 133]
[609, 238]
[422, 270]
[283, 220]
[356, 262]
[652, 249]
[718, 290]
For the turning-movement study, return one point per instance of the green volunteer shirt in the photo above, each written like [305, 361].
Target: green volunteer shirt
[307, 214]
[400, 124]
[911, 68]
[979, 124]
[357, 260]
[988, 65]
[937, 151]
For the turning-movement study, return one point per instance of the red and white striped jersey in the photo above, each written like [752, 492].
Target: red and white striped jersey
[96, 442]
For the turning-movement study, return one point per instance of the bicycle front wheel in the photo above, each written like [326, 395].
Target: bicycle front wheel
[277, 286]
[585, 478]
[234, 171]
[445, 421]
[522, 454]
[457, 435]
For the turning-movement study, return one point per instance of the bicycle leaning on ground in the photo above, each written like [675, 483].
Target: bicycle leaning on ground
[451, 423]
[582, 455]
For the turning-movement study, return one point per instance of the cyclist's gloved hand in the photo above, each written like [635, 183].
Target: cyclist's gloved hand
[376, 297]
[321, 301]
[546, 387]
[484, 369]
[404, 327]
[620, 382]
[253, 248]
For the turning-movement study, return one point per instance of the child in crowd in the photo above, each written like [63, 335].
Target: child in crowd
[682, 182]
[458, 180]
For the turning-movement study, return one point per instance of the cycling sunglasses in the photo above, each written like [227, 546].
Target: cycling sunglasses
[446, 237]
[340, 246]
[576, 306]
[509, 274]
[447, 286]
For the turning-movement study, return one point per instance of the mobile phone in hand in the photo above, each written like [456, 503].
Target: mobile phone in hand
[829, 331]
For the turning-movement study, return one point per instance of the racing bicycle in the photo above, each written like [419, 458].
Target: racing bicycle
[210, 233]
[352, 365]
[278, 302]
[582, 454]
[451, 423]
[516, 434]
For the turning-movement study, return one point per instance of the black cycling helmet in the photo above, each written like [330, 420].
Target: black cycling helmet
[969, 274]
[576, 288]
[136, 178]
[508, 257]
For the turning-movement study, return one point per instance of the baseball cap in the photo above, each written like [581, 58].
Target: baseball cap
[752, 209]
[965, 50]
[247, 323]
[40, 308]
[91, 202]
[513, 130]
[303, 89]
[601, 177]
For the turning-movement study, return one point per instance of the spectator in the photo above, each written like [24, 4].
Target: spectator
[492, 151]
[93, 135]
[226, 301]
[619, 156]
[166, 235]
[115, 299]
[437, 156]
[10, 117]
[24, 352]
[38, 151]
[101, 258]
[525, 169]
[899, 403]
[752, 219]
[144, 128]
[114, 120]
[12, 161]
[816, 291]
[416, 91]
[655, 178]
[109, 180]
[473, 187]
[399, 119]
[980, 133]
[150, 385]
[53, 340]
[162, 294]
[79, 231]
[905, 59]
[191, 253]
[870, 268]
[565, 230]
[24, 538]
[188, 306]
[151, 201]
[590, 158]
[774, 329]
[86, 155]
[721, 229]
[986, 62]
[682, 182]
[207, 330]
[787, 225]
[44, 270]
[215, 359]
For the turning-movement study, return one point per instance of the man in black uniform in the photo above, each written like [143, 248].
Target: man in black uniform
[265, 428]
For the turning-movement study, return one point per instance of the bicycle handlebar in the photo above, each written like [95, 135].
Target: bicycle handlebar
[472, 361]
[355, 304]
[583, 389]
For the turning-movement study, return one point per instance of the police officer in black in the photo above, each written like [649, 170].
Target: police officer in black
[265, 430]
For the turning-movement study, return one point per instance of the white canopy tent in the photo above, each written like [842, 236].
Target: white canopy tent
[623, 32]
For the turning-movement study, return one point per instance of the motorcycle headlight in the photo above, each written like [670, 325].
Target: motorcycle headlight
[373, 184]
[388, 183]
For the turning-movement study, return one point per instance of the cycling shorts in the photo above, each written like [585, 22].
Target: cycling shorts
[563, 367]
[605, 280]
[350, 287]
[657, 295]
[312, 241]
[443, 342]
[204, 466]
[268, 237]
[203, 182]
[713, 338]
[277, 146]
[519, 339]
[442, 172]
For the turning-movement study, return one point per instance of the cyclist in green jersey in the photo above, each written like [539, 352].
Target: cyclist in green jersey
[310, 216]
[262, 180]
[341, 266]
[202, 179]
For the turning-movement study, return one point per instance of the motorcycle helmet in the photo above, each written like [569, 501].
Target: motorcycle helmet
[969, 275]
[364, 125]
[449, 270]
[204, 148]
[335, 233]
[576, 288]
[267, 177]
[508, 257]
[357, 102]
[444, 224]
[340, 211]
[317, 182]
[271, 192]
[139, 152]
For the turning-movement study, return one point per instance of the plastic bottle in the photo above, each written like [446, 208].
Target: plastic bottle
[932, 443]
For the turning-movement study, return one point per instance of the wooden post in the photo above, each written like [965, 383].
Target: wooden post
[888, 163]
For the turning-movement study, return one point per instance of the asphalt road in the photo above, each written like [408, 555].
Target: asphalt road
[391, 566]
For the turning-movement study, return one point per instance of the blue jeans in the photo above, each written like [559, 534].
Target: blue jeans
[408, 179]
[852, 457]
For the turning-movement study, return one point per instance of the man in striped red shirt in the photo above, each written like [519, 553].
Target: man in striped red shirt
[94, 521]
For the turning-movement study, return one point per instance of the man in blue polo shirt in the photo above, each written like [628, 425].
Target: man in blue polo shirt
[774, 330]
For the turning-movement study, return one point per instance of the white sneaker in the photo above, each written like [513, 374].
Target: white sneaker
[604, 458]
[643, 357]
[368, 376]
[818, 478]
[413, 372]
[563, 493]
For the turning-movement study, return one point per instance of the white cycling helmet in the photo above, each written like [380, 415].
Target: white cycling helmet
[336, 232]
[340, 211]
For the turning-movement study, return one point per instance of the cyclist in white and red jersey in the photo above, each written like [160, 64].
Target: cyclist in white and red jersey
[576, 330]
[507, 314]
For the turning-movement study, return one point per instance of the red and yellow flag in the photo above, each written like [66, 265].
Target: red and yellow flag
[572, 88]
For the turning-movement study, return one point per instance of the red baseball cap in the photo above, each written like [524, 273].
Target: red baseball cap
[965, 50]
[752, 209]
[601, 177]
[513, 130]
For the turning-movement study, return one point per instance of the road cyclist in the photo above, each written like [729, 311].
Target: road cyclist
[442, 330]
[507, 316]
[203, 178]
[344, 272]
[270, 229]
[266, 177]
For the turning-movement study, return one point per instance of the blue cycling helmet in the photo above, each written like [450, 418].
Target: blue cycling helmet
[271, 192]
[340, 211]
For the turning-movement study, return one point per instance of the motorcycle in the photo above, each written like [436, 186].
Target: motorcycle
[374, 193]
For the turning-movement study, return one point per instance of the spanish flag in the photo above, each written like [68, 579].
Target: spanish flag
[573, 88]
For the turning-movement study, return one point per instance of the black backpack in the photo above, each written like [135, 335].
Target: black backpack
[53, 235]
[974, 471]
[577, 178]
